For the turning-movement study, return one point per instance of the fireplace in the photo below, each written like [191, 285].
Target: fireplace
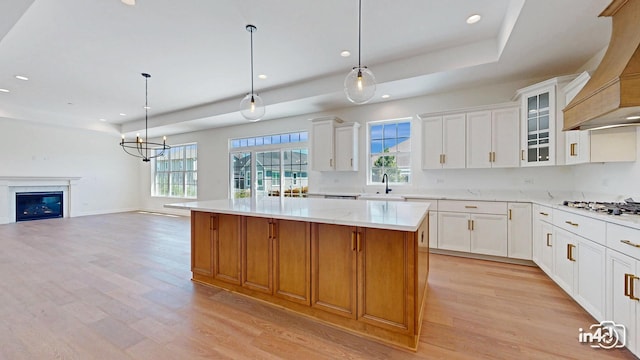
[39, 205]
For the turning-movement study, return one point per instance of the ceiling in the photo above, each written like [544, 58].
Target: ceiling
[83, 58]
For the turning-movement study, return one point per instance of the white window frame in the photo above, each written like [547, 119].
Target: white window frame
[170, 171]
[368, 146]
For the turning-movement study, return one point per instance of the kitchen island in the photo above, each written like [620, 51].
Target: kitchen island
[353, 264]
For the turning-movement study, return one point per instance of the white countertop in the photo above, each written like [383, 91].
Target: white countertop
[393, 215]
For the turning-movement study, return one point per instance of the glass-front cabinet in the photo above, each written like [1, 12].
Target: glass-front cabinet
[542, 140]
[538, 126]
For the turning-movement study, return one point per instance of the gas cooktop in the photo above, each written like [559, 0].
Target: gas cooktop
[614, 208]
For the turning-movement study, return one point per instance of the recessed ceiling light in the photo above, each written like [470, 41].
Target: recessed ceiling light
[473, 19]
[385, 96]
[21, 77]
[4, 90]
[129, 2]
[123, 114]
[345, 53]
[262, 76]
[636, 117]
[144, 107]
[102, 119]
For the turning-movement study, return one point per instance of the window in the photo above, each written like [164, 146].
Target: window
[390, 151]
[174, 174]
[274, 156]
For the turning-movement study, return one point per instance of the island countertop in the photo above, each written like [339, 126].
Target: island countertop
[393, 215]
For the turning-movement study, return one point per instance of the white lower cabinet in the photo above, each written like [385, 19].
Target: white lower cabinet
[623, 306]
[579, 268]
[519, 244]
[453, 231]
[488, 234]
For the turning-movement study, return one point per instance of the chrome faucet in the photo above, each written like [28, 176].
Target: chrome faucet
[385, 181]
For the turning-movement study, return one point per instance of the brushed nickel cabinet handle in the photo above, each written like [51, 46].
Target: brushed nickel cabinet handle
[548, 239]
[628, 242]
[571, 223]
[570, 252]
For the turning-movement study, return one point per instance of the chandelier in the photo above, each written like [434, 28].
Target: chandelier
[141, 148]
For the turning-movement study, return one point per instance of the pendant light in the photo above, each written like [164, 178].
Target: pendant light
[360, 84]
[252, 107]
[142, 148]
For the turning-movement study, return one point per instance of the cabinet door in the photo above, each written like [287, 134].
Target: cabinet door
[257, 254]
[322, 146]
[226, 236]
[433, 230]
[384, 290]
[479, 139]
[432, 143]
[538, 127]
[454, 142]
[564, 255]
[292, 264]
[620, 308]
[202, 243]
[346, 153]
[505, 137]
[519, 231]
[453, 231]
[590, 273]
[489, 234]
[547, 249]
[333, 279]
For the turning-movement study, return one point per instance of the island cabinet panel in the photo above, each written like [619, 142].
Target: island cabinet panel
[292, 262]
[385, 295]
[257, 254]
[202, 243]
[334, 269]
[226, 235]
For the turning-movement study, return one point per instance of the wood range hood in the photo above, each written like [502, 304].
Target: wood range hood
[612, 96]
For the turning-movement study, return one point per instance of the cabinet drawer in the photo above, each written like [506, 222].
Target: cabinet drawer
[624, 239]
[542, 213]
[592, 229]
[473, 207]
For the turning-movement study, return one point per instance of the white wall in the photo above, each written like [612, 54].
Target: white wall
[619, 180]
[109, 178]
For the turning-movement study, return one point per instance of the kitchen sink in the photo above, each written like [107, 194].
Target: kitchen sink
[387, 197]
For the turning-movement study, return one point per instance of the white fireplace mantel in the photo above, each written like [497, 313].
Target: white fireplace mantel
[9, 185]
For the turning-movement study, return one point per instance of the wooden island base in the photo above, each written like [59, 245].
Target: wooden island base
[368, 281]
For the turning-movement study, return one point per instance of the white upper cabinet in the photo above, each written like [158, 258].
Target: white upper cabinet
[334, 145]
[346, 155]
[542, 139]
[492, 138]
[443, 141]
[607, 145]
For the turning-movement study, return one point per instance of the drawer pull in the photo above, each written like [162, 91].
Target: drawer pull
[510, 214]
[522, 155]
[472, 225]
[543, 213]
[353, 241]
[470, 207]
[571, 223]
[548, 239]
[358, 241]
[629, 286]
[628, 242]
[570, 252]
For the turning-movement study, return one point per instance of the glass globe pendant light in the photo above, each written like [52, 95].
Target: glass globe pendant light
[360, 84]
[252, 107]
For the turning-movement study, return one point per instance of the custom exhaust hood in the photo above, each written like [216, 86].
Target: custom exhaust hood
[612, 96]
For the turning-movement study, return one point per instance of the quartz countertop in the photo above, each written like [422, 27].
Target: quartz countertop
[393, 215]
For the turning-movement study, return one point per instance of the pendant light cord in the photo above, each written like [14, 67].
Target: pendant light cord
[359, 32]
[251, 31]
[146, 114]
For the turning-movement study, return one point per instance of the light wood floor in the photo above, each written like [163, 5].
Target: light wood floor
[117, 287]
